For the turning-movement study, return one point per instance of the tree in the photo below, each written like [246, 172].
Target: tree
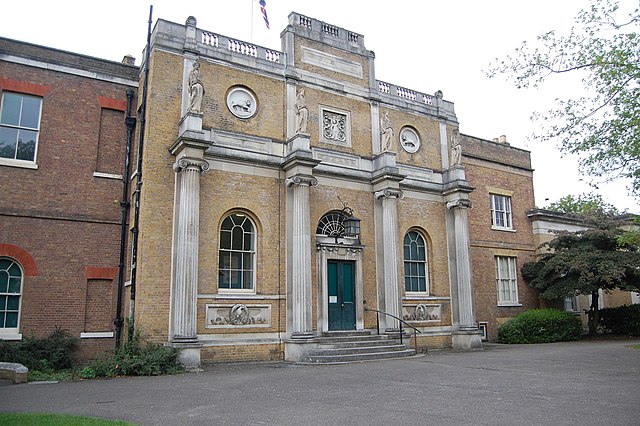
[603, 126]
[585, 262]
[583, 204]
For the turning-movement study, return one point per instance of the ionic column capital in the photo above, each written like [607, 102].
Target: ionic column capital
[189, 163]
[459, 204]
[389, 193]
[301, 180]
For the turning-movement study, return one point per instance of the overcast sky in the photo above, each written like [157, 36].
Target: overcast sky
[422, 45]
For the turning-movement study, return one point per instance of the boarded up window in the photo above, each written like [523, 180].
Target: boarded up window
[111, 142]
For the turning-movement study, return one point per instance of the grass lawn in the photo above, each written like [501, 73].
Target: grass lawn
[634, 346]
[25, 419]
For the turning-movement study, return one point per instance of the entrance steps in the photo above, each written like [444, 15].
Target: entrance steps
[338, 347]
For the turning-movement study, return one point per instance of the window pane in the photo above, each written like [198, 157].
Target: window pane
[30, 112]
[236, 260]
[14, 285]
[12, 319]
[2, 315]
[4, 281]
[227, 224]
[247, 280]
[14, 270]
[5, 263]
[225, 240]
[236, 242]
[3, 303]
[13, 303]
[26, 145]
[248, 241]
[421, 270]
[11, 109]
[8, 140]
[247, 226]
[224, 278]
[235, 279]
[422, 284]
[247, 261]
[422, 253]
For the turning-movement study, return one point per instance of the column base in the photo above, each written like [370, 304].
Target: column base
[189, 352]
[467, 340]
[300, 335]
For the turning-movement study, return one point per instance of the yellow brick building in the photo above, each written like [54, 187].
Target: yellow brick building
[290, 195]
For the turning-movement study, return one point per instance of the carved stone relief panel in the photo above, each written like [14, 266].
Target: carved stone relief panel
[335, 126]
[237, 316]
[422, 313]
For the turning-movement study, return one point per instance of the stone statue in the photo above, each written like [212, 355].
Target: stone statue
[196, 89]
[302, 113]
[386, 132]
[456, 151]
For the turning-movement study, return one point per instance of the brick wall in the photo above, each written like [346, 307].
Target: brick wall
[64, 217]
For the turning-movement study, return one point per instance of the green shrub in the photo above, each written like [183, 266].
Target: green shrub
[135, 358]
[621, 320]
[51, 353]
[541, 326]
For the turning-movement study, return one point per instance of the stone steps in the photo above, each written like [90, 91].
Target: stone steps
[345, 347]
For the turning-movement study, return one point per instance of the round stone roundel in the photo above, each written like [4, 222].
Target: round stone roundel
[241, 102]
[409, 140]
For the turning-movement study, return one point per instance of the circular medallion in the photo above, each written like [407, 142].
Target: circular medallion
[409, 140]
[241, 102]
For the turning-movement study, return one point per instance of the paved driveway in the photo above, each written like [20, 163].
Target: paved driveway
[581, 383]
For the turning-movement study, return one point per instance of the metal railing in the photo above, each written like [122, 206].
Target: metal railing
[415, 336]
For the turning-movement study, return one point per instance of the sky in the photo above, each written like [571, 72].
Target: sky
[423, 45]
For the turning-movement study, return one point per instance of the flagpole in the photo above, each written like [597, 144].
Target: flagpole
[252, 1]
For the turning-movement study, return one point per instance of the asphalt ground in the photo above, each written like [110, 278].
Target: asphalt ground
[573, 383]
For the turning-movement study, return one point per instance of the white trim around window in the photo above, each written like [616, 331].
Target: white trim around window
[501, 217]
[507, 281]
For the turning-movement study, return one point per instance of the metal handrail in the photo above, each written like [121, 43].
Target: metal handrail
[415, 339]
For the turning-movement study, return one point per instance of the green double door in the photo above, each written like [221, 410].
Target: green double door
[341, 289]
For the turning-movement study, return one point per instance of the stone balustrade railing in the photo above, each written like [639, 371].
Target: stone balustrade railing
[401, 92]
[242, 48]
[237, 46]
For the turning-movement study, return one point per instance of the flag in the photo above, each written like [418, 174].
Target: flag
[263, 5]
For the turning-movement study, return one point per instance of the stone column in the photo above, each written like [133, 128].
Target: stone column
[466, 336]
[301, 256]
[390, 250]
[185, 275]
[463, 265]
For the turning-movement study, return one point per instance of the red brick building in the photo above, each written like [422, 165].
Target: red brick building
[62, 147]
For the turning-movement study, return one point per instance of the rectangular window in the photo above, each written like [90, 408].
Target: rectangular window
[501, 212]
[19, 126]
[506, 279]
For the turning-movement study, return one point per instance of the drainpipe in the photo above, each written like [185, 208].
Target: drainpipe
[136, 217]
[130, 122]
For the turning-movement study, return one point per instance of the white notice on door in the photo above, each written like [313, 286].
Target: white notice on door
[333, 299]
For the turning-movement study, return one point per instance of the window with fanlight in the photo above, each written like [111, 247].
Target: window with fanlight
[416, 277]
[10, 293]
[237, 255]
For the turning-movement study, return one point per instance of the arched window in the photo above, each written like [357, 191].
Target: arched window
[416, 277]
[331, 224]
[10, 291]
[236, 264]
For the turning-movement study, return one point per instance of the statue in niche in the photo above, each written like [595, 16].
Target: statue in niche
[302, 113]
[196, 89]
[386, 132]
[456, 150]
